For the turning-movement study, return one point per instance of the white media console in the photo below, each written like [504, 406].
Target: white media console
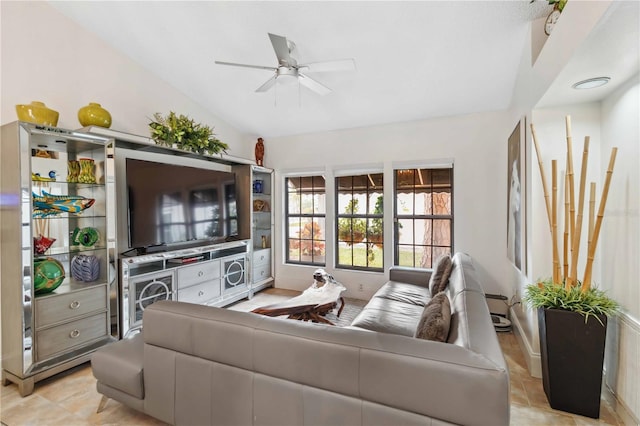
[213, 275]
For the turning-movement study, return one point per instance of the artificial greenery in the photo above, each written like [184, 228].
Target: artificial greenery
[592, 302]
[560, 3]
[185, 133]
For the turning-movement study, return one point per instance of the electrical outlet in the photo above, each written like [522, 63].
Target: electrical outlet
[360, 287]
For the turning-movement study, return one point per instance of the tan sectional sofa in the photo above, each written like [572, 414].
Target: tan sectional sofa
[199, 365]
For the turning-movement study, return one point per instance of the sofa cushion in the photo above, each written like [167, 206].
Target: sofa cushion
[435, 320]
[440, 277]
[389, 316]
[405, 293]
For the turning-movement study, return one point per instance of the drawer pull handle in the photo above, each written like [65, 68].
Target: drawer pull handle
[74, 333]
[200, 273]
[74, 305]
[201, 293]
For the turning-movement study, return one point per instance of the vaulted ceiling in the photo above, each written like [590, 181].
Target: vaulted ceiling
[414, 60]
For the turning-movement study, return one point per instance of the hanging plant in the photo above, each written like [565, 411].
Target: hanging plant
[186, 134]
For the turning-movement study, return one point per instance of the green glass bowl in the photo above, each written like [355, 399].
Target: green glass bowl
[48, 274]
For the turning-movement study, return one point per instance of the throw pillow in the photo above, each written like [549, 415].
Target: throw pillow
[440, 276]
[436, 319]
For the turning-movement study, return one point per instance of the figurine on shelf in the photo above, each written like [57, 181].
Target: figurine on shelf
[260, 152]
[50, 205]
[35, 177]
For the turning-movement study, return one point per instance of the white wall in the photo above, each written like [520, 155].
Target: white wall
[620, 242]
[476, 143]
[47, 57]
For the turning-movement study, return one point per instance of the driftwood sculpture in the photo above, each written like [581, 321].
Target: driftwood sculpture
[568, 274]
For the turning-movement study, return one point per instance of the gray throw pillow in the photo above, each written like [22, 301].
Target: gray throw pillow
[440, 276]
[436, 319]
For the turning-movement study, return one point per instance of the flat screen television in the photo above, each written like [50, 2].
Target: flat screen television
[171, 206]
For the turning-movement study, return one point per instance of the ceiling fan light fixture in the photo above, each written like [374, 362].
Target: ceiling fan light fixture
[591, 83]
[287, 75]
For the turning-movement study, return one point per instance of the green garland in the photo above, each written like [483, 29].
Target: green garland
[185, 133]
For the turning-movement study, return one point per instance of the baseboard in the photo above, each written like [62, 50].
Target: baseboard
[618, 406]
[531, 357]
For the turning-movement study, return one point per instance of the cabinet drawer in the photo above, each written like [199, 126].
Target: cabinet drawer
[74, 333]
[261, 257]
[200, 293]
[56, 308]
[261, 272]
[200, 272]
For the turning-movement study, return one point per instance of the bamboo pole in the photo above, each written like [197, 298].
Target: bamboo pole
[554, 220]
[586, 283]
[545, 189]
[592, 212]
[572, 198]
[565, 246]
[575, 238]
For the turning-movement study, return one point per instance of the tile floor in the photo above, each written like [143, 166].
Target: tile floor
[70, 398]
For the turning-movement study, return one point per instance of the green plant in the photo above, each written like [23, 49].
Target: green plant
[352, 230]
[375, 230]
[563, 290]
[557, 3]
[185, 133]
[594, 302]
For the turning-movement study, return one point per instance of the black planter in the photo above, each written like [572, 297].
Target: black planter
[572, 353]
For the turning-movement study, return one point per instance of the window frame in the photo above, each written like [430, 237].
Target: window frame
[288, 215]
[397, 217]
[364, 216]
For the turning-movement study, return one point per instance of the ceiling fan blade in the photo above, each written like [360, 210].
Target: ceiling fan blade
[338, 65]
[281, 48]
[313, 85]
[233, 64]
[268, 84]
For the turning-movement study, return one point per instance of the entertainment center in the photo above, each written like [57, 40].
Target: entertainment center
[213, 275]
[204, 243]
[99, 224]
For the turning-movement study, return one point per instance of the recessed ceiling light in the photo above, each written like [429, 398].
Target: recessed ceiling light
[591, 83]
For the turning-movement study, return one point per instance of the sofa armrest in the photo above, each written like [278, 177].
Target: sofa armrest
[407, 275]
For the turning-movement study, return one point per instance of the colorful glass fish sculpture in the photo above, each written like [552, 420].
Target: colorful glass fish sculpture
[50, 205]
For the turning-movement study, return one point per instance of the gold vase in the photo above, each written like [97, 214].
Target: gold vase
[87, 174]
[94, 115]
[37, 112]
[73, 167]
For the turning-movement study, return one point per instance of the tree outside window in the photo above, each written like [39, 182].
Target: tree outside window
[305, 218]
[423, 216]
[360, 221]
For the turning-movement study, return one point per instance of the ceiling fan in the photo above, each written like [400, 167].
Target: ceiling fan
[288, 68]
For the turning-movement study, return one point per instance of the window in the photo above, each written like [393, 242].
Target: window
[173, 223]
[205, 213]
[359, 222]
[423, 216]
[305, 211]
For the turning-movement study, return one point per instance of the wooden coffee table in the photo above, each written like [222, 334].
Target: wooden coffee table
[312, 305]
